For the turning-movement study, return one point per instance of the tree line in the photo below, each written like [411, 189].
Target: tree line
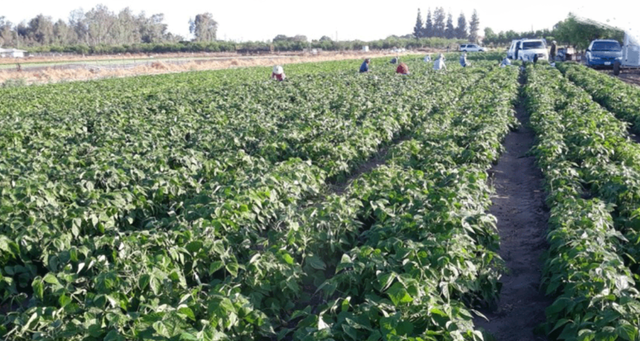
[102, 31]
[566, 32]
[100, 27]
[440, 25]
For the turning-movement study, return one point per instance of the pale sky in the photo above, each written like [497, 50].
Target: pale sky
[243, 20]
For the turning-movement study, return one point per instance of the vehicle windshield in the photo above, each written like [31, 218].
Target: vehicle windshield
[606, 46]
[531, 45]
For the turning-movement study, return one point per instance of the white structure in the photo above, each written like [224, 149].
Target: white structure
[614, 18]
[12, 53]
[365, 48]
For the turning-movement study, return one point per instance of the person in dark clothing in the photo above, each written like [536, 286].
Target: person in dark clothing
[365, 65]
[554, 50]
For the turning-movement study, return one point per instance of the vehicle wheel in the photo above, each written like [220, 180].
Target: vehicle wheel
[616, 68]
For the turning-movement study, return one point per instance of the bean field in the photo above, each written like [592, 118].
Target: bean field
[333, 205]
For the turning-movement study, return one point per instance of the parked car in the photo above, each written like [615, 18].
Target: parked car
[472, 48]
[526, 49]
[603, 53]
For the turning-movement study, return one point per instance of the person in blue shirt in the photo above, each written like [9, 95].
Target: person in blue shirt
[365, 65]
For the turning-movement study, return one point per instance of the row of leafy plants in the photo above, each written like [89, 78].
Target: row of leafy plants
[123, 230]
[427, 254]
[591, 171]
[620, 98]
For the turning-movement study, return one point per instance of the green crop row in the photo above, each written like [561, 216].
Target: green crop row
[428, 253]
[589, 166]
[620, 98]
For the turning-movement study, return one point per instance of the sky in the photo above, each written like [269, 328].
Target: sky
[243, 20]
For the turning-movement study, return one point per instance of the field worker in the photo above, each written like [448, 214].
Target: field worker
[552, 53]
[402, 69]
[463, 60]
[278, 73]
[505, 62]
[535, 58]
[427, 58]
[395, 60]
[365, 65]
[439, 64]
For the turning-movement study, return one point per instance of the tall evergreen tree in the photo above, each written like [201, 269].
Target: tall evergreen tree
[461, 30]
[474, 27]
[418, 30]
[428, 26]
[450, 31]
[439, 18]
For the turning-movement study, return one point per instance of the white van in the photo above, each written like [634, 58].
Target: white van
[526, 49]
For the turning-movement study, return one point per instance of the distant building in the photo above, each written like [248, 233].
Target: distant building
[11, 53]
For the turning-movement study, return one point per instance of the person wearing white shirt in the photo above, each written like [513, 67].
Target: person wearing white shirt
[439, 64]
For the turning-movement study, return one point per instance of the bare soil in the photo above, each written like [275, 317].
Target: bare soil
[522, 224]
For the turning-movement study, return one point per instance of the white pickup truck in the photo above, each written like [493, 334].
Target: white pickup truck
[527, 49]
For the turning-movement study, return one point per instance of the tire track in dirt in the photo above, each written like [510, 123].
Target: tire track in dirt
[522, 223]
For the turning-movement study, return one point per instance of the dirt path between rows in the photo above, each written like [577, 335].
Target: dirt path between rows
[522, 224]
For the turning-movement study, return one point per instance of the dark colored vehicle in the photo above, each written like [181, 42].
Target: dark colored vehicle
[603, 53]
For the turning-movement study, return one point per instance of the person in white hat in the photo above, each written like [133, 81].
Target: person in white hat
[427, 58]
[439, 64]
[278, 73]
[552, 53]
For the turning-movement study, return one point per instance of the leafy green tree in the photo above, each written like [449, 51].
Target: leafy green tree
[489, 36]
[203, 27]
[474, 27]
[40, 29]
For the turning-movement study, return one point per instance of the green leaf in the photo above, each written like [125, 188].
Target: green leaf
[38, 288]
[64, 300]
[194, 246]
[398, 294]
[187, 312]
[316, 262]
[350, 331]
[288, 259]
[215, 266]
[51, 279]
[232, 268]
